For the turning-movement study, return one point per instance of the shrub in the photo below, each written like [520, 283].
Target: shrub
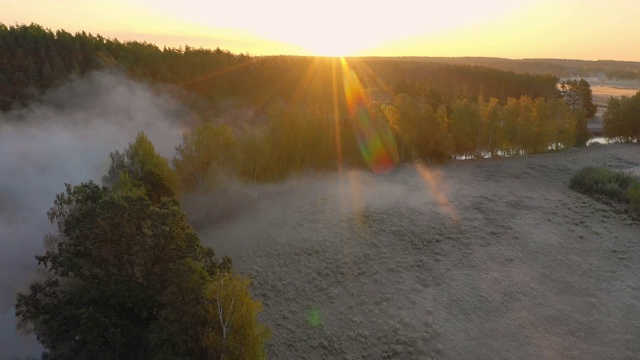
[605, 183]
[634, 197]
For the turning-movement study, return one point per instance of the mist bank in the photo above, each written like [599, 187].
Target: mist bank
[479, 259]
[65, 137]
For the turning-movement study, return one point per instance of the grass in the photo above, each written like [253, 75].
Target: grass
[609, 185]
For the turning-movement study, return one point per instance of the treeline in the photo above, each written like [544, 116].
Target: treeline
[623, 74]
[439, 84]
[486, 128]
[295, 139]
[33, 59]
[621, 120]
[523, 66]
[564, 68]
[312, 113]
[127, 277]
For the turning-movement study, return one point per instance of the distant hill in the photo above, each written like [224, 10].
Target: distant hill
[611, 69]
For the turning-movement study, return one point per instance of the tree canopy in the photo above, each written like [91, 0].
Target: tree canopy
[578, 95]
[301, 119]
[205, 153]
[622, 118]
[127, 277]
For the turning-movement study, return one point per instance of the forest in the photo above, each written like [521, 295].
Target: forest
[256, 120]
[311, 113]
[564, 68]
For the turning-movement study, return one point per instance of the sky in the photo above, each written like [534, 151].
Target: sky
[587, 29]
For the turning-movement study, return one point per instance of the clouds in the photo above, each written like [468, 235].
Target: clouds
[65, 137]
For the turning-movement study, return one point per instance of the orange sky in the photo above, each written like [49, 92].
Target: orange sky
[502, 28]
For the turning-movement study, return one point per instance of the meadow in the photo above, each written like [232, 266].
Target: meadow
[476, 259]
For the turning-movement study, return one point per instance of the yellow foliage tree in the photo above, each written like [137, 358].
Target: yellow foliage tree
[237, 334]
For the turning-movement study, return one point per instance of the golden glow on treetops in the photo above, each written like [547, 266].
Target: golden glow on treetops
[587, 29]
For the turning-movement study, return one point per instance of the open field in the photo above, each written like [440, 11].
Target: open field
[491, 259]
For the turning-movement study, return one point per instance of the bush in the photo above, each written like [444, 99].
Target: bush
[613, 185]
[634, 196]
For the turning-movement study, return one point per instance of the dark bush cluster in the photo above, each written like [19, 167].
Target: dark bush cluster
[610, 185]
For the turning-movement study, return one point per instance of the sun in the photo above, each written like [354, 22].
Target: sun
[331, 47]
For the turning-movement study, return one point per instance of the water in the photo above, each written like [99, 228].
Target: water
[599, 140]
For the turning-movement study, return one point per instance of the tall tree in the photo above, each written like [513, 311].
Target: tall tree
[491, 134]
[578, 94]
[204, 153]
[140, 166]
[622, 118]
[106, 270]
[127, 278]
[465, 127]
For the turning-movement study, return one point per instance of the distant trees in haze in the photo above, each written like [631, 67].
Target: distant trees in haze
[564, 68]
[205, 153]
[445, 83]
[623, 74]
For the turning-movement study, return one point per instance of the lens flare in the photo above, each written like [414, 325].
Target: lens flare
[373, 135]
[433, 180]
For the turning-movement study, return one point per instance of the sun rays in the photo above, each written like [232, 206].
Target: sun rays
[437, 188]
[375, 139]
[342, 86]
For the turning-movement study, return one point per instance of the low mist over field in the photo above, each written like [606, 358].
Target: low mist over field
[65, 137]
[489, 259]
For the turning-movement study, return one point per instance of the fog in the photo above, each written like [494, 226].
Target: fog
[478, 259]
[65, 137]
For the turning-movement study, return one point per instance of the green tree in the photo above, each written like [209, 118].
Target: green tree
[578, 94]
[406, 122]
[622, 118]
[419, 128]
[491, 134]
[139, 166]
[106, 268]
[512, 126]
[127, 278]
[204, 154]
[235, 335]
[465, 127]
